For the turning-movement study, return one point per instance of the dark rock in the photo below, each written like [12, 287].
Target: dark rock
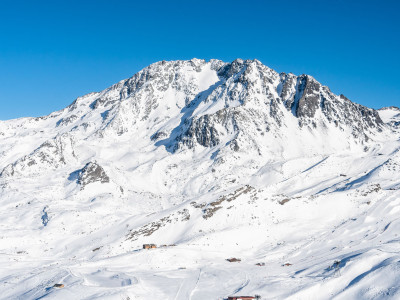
[310, 97]
[92, 172]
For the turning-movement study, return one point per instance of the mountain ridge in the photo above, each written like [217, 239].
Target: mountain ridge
[208, 160]
[240, 84]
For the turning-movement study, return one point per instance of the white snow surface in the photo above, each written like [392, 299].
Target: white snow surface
[208, 165]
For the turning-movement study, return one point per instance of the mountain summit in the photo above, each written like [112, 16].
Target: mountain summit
[212, 160]
[243, 106]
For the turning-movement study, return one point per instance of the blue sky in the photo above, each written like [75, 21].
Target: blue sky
[54, 51]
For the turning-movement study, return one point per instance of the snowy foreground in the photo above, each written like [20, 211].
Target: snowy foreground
[208, 161]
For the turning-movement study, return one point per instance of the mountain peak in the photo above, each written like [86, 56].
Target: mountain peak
[237, 106]
[270, 169]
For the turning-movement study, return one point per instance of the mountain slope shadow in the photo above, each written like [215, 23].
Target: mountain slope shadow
[384, 263]
[187, 111]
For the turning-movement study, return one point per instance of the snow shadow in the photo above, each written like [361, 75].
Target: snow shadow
[187, 111]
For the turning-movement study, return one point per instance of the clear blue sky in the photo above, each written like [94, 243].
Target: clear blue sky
[54, 51]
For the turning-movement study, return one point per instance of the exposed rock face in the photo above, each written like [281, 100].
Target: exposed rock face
[310, 99]
[234, 104]
[50, 155]
[252, 99]
[67, 120]
[202, 131]
[390, 107]
[92, 172]
[239, 106]
[243, 98]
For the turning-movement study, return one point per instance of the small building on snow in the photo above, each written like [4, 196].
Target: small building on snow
[149, 246]
[234, 259]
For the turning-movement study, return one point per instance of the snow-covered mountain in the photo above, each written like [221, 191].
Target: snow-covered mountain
[218, 159]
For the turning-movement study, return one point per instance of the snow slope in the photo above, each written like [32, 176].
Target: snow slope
[212, 160]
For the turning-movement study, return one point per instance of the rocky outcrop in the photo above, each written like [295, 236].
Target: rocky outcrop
[92, 172]
[50, 155]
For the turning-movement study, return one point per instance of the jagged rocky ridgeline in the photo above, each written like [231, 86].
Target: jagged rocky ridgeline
[177, 105]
